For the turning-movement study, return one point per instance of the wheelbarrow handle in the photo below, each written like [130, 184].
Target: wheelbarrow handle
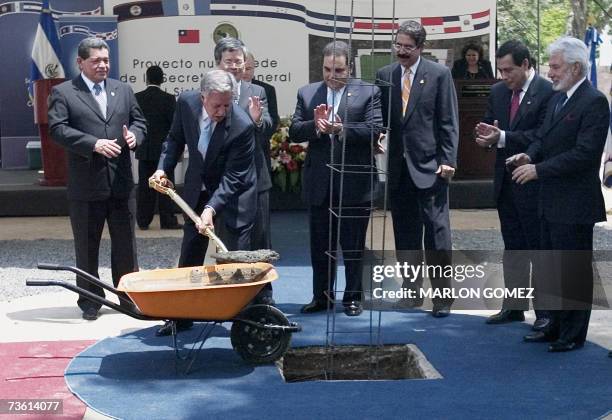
[46, 266]
[169, 191]
[39, 283]
[92, 296]
[83, 274]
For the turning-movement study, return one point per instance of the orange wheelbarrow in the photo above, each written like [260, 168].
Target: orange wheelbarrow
[211, 293]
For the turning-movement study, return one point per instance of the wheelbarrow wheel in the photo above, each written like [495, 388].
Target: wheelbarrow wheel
[257, 344]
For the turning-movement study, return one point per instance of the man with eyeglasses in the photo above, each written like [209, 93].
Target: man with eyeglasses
[98, 121]
[423, 143]
[230, 54]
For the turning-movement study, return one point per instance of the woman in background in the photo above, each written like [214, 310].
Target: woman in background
[472, 65]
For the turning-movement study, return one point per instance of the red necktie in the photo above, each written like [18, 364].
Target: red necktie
[514, 103]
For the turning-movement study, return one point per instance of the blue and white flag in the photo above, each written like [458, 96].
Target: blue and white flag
[592, 40]
[46, 49]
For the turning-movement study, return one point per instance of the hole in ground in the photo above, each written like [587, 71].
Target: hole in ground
[356, 363]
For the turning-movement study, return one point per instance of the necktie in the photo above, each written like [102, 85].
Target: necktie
[100, 98]
[406, 90]
[560, 103]
[204, 137]
[515, 103]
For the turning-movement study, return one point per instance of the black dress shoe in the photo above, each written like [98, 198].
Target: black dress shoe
[314, 306]
[353, 308]
[440, 311]
[538, 337]
[143, 227]
[166, 329]
[172, 226]
[561, 345]
[541, 324]
[504, 316]
[90, 314]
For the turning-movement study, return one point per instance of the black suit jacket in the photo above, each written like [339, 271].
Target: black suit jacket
[359, 104]
[521, 132]
[158, 109]
[262, 137]
[568, 150]
[76, 123]
[273, 110]
[428, 135]
[228, 171]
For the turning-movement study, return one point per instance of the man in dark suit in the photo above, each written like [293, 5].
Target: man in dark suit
[98, 121]
[158, 108]
[336, 117]
[220, 178]
[422, 151]
[230, 56]
[565, 158]
[516, 109]
[249, 76]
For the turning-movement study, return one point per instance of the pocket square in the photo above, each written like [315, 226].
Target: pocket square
[569, 117]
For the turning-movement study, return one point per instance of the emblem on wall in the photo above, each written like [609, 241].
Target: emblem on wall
[224, 30]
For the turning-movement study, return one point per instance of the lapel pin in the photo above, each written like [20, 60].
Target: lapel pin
[422, 81]
[528, 102]
[348, 94]
[112, 93]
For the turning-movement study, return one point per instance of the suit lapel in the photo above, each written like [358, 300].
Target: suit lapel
[245, 94]
[320, 96]
[553, 119]
[418, 83]
[396, 91]
[348, 91]
[528, 99]
[111, 98]
[194, 120]
[84, 94]
[217, 140]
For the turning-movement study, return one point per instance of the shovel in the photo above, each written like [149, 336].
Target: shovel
[225, 256]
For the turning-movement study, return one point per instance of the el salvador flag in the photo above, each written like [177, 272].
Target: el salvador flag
[592, 40]
[46, 49]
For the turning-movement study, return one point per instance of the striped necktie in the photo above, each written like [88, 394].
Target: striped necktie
[406, 90]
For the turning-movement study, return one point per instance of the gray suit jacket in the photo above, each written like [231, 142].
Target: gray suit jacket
[428, 135]
[262, 133]
[76, 123]
[228, 171]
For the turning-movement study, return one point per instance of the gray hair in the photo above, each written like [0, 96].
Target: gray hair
[573, 51]
[88, 43]
[219, 81]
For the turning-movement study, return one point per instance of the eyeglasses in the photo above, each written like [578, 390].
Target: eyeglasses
[237, 63]
[408, 48]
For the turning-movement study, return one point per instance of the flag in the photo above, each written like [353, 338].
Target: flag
[46, 49]
[189, 36]
[592, 40]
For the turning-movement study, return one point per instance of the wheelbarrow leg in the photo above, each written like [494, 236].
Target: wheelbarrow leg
[193, 352]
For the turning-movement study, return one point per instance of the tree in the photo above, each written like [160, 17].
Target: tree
[578, 18]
